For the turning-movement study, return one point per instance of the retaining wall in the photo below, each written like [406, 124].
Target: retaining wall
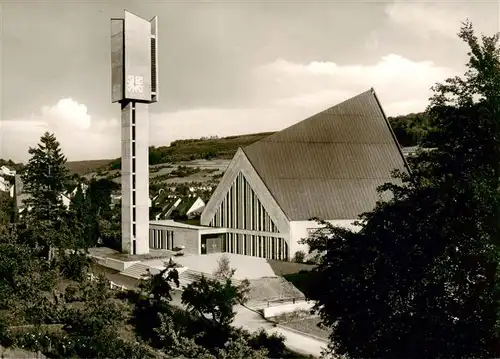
[277, 310]
[118, 264]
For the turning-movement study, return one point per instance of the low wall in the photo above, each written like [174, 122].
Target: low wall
[118, 264]
[276, 310]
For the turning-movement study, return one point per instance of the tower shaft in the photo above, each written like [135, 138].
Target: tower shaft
[135, 177]
[134, 84]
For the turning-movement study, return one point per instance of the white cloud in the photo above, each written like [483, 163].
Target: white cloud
[294, 91]
[403, 84]
[427, 19]
[67, 112]
[80, 137]
[289, 92]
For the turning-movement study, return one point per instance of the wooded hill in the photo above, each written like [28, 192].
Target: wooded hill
[409, 130]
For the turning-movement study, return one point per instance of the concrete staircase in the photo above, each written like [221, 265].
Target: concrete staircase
[137, 271]
[189, 276]
[186, 277]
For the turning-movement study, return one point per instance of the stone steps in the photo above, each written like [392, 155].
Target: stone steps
[137, 271]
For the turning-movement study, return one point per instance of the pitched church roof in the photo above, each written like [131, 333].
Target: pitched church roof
[329, 165]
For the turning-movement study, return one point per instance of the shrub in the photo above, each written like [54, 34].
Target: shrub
[299, 256]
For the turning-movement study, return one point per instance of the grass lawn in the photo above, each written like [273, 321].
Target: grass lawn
[282, 268]
[307, 325]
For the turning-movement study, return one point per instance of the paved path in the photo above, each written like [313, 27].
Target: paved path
[250, 321]
[301, 344]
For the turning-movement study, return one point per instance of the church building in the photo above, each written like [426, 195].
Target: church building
[327, 166]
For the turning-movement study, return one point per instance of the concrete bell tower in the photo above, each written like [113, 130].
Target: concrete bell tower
[134, 84]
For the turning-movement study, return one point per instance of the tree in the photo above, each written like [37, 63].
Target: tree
[223, 269]
[159, 285]
[421, 277]
[7, 209]
[154, 296]
[238, 344]
[77, 203]
[155, 156]
[411, 129]
[215, 297]
[25, 279]
[299, 257]
[44, 179]
[94, 326]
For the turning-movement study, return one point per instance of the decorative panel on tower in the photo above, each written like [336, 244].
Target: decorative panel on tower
[134, 59]
[155, 91]
[137, 58]
[242, 209]
[117, 57]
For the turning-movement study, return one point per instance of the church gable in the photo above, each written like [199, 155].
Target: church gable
[242, 191]
[242, 209]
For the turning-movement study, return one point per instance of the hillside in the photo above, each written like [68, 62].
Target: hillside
[179, 151]
[409, 130]
[204, 148]
[84, 167]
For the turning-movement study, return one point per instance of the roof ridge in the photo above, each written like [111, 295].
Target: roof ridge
[356, 127]
[391, 130]
[371, 90]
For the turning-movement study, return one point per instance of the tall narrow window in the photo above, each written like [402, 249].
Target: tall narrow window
[133, 149]
[134, 247]
[133, 180]
[133, 165]
[153, 65]
[133, 131]
[133, 198]
[133, 230]
[236, 204]
[133, 214]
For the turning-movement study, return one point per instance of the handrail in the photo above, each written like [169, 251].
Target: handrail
[286, 299]
[112, 285]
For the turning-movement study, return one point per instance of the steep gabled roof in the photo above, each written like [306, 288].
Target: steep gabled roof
[329, 165]
[185, 205]
[168, 206]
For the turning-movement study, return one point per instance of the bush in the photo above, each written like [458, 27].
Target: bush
[301, 280]
[299, 256]
[74, 266]
[273, 343]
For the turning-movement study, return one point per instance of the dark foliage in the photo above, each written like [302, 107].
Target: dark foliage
[45, 178]
[421, 278]
[411, 129]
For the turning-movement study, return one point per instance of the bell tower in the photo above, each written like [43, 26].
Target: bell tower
[134, 84]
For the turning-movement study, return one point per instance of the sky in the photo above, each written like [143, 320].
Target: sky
[226, 67]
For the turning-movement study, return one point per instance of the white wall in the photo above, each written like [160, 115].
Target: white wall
[274, 311]
[118, 264]
[4, 186]
[299, 230]
[66, 201]
[197, 206]
[141, 179]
